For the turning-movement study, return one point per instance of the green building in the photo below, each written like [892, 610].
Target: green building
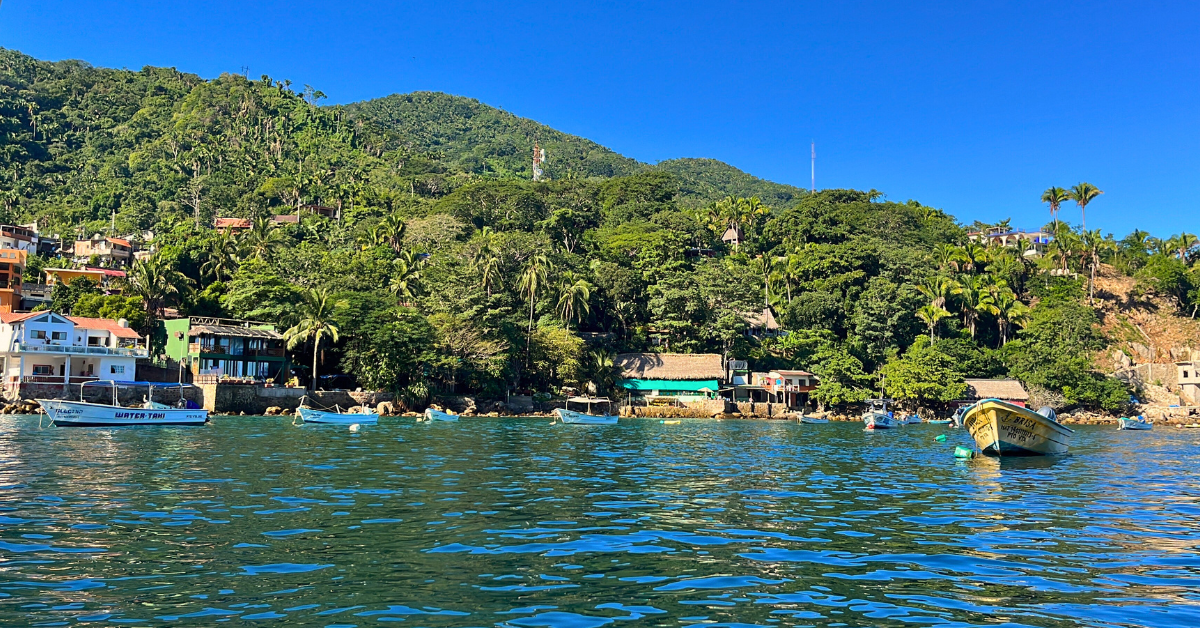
[222, 348]
[670, 375]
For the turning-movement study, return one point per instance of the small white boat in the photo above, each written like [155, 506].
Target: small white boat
[1003, 429]
[877, 416]
[1134, 423]
[812, 420]
[360, 415]
[589, 416]
[432, 415]
[910, 419]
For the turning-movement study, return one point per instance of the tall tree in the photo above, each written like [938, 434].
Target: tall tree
[1083, 194]
[156, 282]
[1055, 196]
[316, 323]
[574, 294]
[533, 280]
[931, 315]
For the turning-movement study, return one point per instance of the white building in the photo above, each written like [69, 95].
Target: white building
[49, 348]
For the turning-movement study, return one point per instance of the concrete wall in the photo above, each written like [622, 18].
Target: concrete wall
[767, 410]
[256, 398]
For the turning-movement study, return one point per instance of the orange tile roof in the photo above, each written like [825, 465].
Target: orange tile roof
[106, 324]
[120, 241]
[15, 317]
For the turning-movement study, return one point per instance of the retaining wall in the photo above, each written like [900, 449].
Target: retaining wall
[101, 394]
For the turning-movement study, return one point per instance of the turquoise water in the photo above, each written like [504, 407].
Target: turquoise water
[513, 522]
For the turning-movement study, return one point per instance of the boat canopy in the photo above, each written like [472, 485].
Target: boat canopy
[589, 400]
[687, 385]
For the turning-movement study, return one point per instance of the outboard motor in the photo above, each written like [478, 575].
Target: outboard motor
[1049, 413]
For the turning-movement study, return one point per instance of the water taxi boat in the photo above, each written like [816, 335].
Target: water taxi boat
[85, 414]
[812, 420]
[589, 415]
[877, 416]
[432, 415]
[1003, 429]
[1134, 423]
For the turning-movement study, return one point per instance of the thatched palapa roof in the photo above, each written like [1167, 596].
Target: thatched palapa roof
[670, 366]
[1003, 389]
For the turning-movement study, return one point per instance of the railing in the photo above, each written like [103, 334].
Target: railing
[271, 352]
[129, 352]
[57, 379]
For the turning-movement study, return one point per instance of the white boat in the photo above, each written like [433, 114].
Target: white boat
[1134, 423]
[360, 415]
[1004, 429]
[432, 415]
[812, 420]
[84, 414]
[877, 416]
[589, 416]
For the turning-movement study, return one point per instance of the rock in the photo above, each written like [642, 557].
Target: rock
[274, 411]
[387, 408]
[242, 413]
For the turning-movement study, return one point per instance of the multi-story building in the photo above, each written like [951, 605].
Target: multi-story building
[789, 387]
[107, 251]
[1030, 243]
[49, 348]
[24, 238]
[222, 348]
[12, 270]
[104, 277]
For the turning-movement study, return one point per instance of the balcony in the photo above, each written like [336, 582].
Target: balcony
[63, 349]
[57, 379]
[197, 348]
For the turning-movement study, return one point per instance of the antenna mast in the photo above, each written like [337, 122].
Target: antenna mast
[814, 167]
[539, 155]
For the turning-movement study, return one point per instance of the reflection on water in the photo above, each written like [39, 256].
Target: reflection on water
[517, 523]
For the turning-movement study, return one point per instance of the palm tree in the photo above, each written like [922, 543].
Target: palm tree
[1009, 311]
[1083, 194]
[770, 269]
[1093, 245]
[391, 230]
[973, 255]
[1055, 196]
[316, 324]
[262, 240]
[406, 283]
[976, 299]
[573, 295]
[938, 289]
[931, 315]
[155, 281]
[603, 371]
[533, 279]
[948, 256]
[222, 257]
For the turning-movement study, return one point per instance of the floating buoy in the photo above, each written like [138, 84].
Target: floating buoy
[354, 427]
[669, 422]
[964, 452]
[941, 438]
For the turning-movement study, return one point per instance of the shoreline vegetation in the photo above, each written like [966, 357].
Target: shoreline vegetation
[403, 246]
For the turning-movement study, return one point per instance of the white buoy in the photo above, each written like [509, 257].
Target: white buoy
[354, 427]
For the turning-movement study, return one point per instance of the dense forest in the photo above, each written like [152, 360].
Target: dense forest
[447, 269]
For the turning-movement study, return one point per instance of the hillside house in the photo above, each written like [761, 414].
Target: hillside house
[12, 270]
[789, 387]
[221, 348]
[1030, 243]
[49, 348]
[678, 376]
[108, 251]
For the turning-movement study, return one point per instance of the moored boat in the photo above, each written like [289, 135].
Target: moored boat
[812, 420]
[1134, 423]
[432, 415]
[1004, 429]
[85, 414]
[939, 422]
[361, 416]
[877, 416]
[589, 416]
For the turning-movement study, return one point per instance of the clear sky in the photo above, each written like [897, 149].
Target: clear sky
[973, 107]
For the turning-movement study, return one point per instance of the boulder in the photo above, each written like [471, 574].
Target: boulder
[385, 408]
[274, 411]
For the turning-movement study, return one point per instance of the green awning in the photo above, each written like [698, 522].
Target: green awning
[664, 385]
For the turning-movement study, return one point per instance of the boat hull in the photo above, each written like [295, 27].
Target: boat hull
[82, 414]
[939, 422]
[437, 415]
[579, 418]
[811, 421]
[308, 415]
[878, 421]
[1003, 429]
[1134, 424]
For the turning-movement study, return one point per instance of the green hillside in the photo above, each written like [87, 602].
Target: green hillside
[445, 269]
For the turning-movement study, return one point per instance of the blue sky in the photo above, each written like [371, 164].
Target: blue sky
[973, 107]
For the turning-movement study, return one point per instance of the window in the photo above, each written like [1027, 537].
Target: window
[1185, 374]
[43, 369]
[38, 334]
[118, 369]
[58, 335]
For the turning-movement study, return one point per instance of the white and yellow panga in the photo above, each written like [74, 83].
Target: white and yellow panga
[1003, 429]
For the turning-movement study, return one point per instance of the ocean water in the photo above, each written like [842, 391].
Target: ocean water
[514, 522]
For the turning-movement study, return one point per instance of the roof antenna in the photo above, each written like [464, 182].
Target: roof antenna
[814, 167]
